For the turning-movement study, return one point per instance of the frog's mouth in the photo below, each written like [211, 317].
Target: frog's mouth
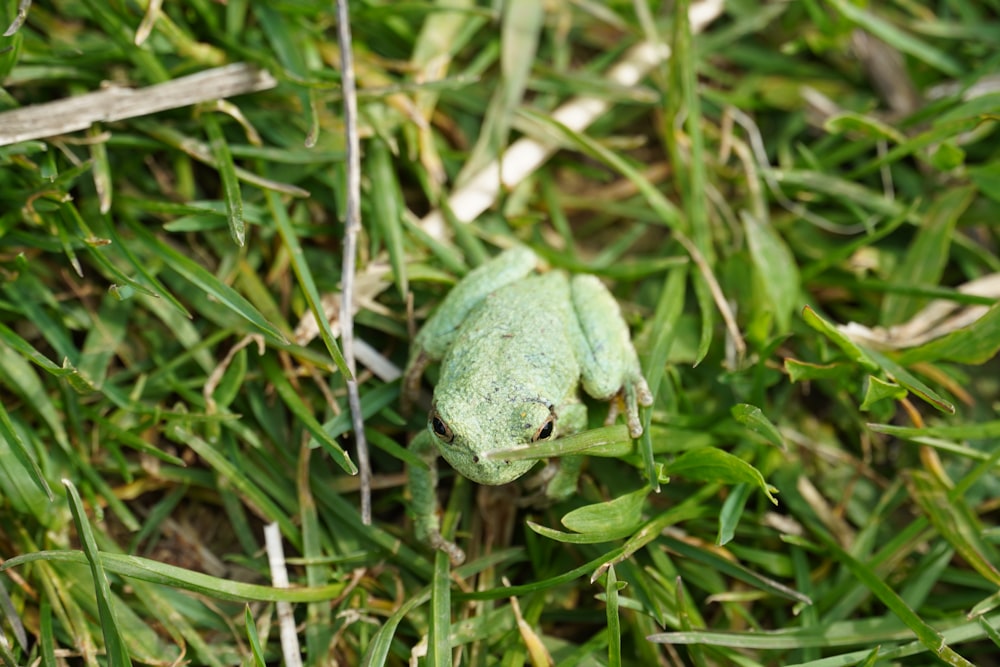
[482, 469]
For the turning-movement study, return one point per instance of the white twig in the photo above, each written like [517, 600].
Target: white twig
[352, 226]
[117, 103]
[279, 579]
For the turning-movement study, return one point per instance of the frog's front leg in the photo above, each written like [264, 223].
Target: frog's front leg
[439, 331]
[609, 364]
[423, 493]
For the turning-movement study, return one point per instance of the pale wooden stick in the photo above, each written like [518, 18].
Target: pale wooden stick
[118, 103]
[279, 579]
[352, 227]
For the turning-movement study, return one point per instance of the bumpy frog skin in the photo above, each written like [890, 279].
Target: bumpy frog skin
[515, 347]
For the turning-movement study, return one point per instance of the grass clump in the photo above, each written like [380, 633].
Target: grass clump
[795, 206]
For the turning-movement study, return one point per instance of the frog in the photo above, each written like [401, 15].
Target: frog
[516, 346]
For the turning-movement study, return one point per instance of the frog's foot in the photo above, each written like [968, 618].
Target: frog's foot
[634, 393]
[454, 552]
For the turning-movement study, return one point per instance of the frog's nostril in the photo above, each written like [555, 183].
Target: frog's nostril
[475, 459]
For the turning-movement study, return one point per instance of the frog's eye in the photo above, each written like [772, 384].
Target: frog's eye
[545, 431]
[440, 428]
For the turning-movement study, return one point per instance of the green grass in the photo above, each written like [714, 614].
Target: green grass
[805, 494]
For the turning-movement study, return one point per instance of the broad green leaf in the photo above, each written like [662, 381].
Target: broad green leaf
[800, 371]
[575, 538]
[640, 537]
[947, 156]
[616, 517]
[715, 465]
[877, 390]
[850, 348]
[754, 419]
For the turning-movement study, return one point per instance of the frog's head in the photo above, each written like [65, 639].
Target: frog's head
[467, 433]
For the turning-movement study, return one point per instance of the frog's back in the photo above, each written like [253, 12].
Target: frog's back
[516, 342]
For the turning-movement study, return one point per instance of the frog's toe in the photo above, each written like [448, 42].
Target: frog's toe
[642, 392]
[625, 401]
[635, 393]
[614, 409]
[454, 552]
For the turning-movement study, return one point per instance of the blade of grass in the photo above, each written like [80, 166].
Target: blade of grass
[957, 524]
[927, 256]
[21, 453]
[930, 638]
[387, 209]
[276, 376]
[227, 173]
[155, 572]
[201, 278]
[304, 276]
[439, 631]
[611, 589]
[114, 644]
[899, 39]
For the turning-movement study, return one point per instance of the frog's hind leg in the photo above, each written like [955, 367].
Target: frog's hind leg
[609, 364]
